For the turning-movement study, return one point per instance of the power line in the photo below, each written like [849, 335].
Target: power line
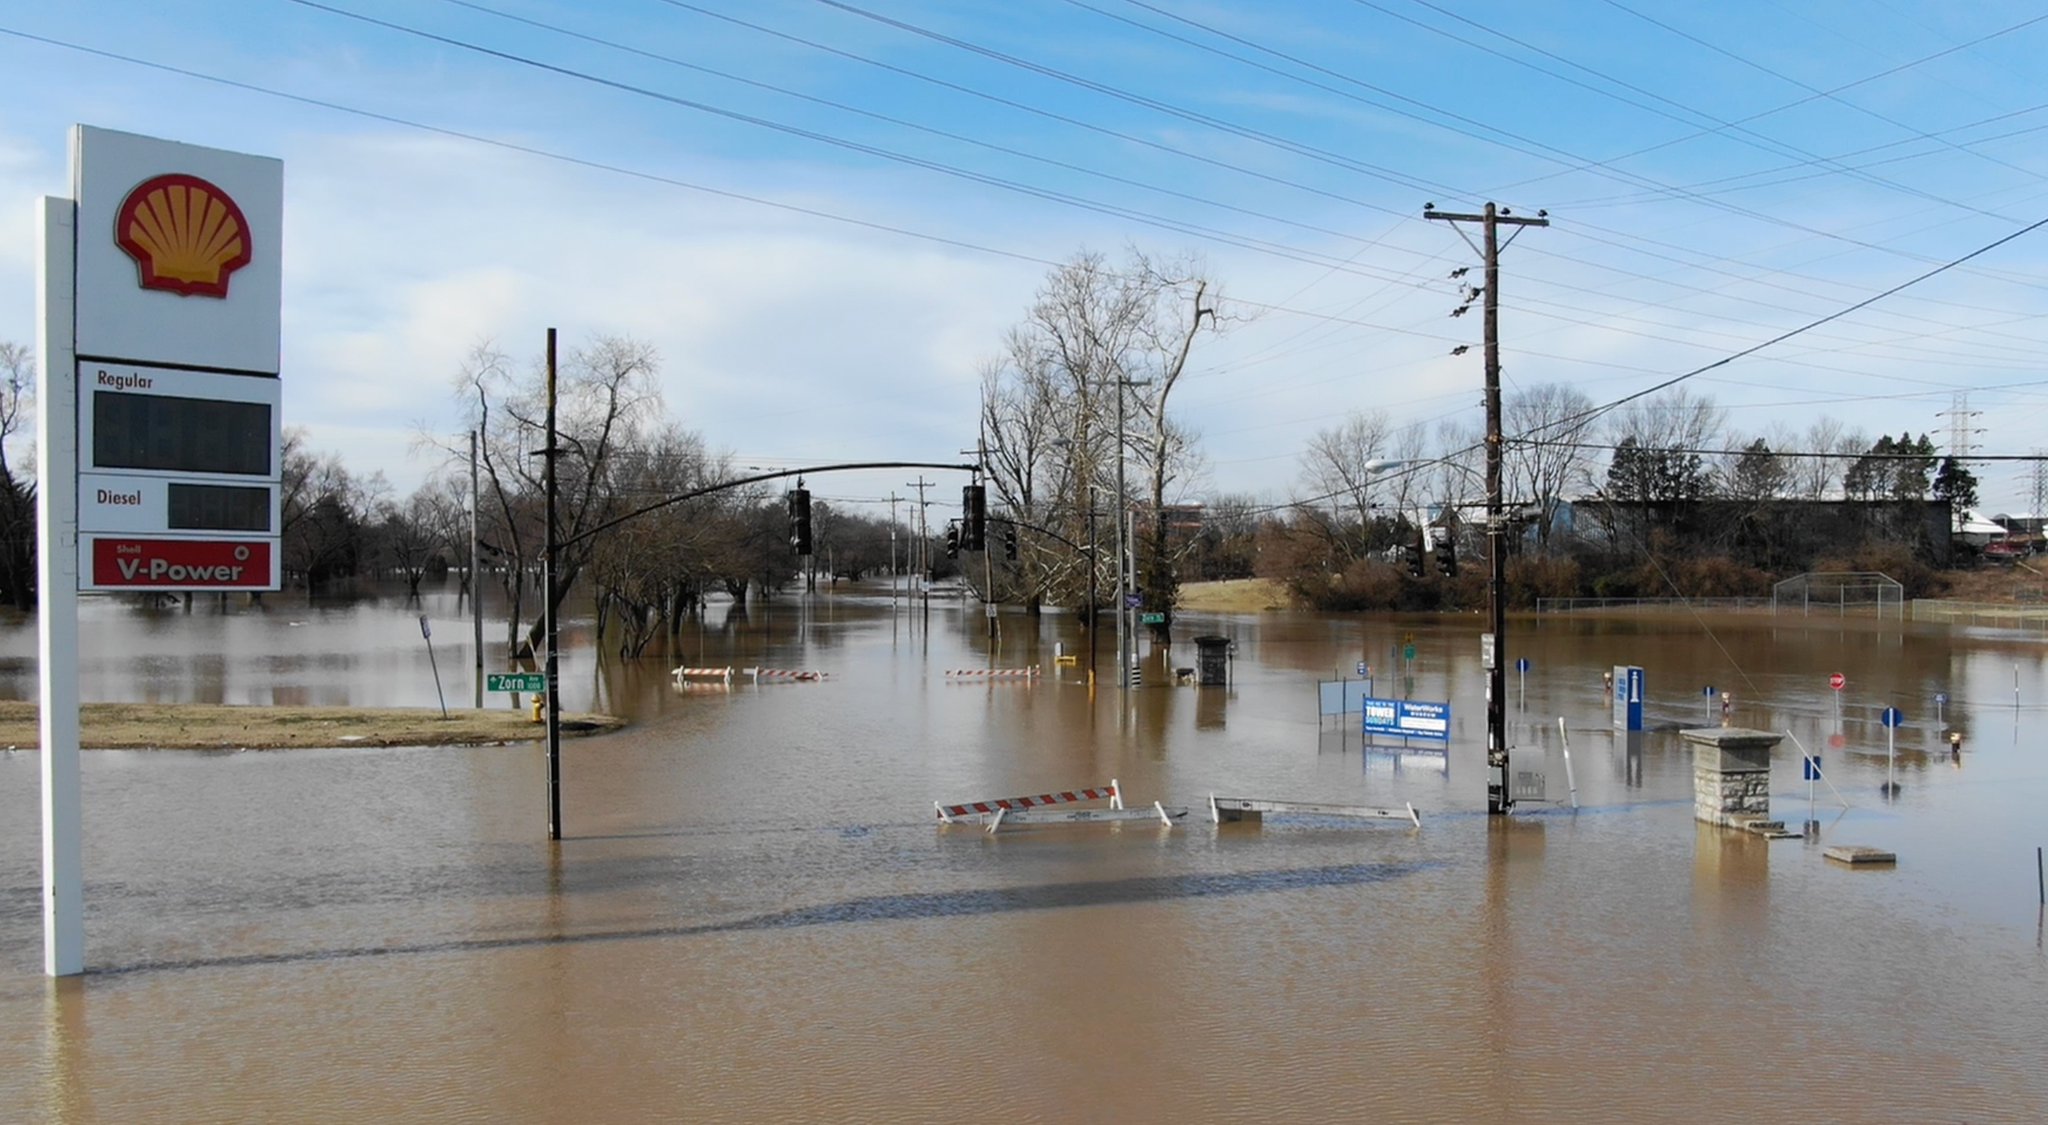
[1588, 416]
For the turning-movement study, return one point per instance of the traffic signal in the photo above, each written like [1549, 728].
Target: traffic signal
[974, 509]
[952, 541]
[1447, 555]
[1414, 553]
[800, 520]
[1010, 542]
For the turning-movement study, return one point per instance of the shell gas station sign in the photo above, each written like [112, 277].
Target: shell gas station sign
[177, 296]
[158, 433]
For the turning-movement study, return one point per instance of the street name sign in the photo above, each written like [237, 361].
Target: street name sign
[516, 681]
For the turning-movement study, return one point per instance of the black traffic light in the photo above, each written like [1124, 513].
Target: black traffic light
[974, 518]
[1010, 542]
[1447, 555]
[800, 520]
[952, 541]
[1414, 552]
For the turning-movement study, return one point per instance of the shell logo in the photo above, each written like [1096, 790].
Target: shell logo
[185, 234]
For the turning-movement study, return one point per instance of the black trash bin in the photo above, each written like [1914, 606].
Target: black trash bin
[1212, 661]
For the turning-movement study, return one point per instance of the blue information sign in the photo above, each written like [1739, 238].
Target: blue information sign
[1941, 697]
[1810, 769]
[1408, 718]
[1628, 697]
[1893, 717]
[1521, 664]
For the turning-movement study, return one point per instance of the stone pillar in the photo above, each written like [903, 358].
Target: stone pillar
[1731, 774]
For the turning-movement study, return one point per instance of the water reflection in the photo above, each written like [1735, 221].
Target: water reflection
[755, 917]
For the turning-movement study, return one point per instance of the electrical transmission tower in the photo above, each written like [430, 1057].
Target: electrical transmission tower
[1961, 434]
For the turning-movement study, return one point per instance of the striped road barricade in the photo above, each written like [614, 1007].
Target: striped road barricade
[1000, 817]
[724, 673]
[970, 809]
[783, 675]
[969, 675]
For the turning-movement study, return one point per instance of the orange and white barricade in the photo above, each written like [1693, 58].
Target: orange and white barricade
[963, 675]
[703, 674]
[782, 675]
[1036, 809]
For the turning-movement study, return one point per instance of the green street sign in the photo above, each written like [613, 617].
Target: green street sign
[516, 681]
[1151, 619]
[1407, 652]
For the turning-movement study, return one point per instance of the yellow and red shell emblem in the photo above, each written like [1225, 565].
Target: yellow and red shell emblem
[185, 234]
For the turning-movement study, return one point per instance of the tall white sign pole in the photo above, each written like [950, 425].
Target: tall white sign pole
[57, 590]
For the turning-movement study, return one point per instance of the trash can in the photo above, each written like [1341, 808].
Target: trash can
[1212, 661]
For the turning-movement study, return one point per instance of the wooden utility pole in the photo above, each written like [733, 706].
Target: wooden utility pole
[924, 541]
[553, 669]
[1498, 800]
[476, 605]
[893, 575]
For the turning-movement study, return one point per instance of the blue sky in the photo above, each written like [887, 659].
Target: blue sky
[877, 214]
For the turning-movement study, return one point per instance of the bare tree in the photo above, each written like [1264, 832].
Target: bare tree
[605, 399]
[1544, 459]
[328, 514]
[1339, 466]
[1097, 337]
[17, 496]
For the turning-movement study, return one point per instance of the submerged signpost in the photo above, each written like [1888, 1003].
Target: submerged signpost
[1892, 719]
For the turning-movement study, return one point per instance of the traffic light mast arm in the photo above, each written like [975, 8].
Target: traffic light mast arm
[757, 479]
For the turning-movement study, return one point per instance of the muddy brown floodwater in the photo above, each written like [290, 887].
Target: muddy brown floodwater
[756, 918]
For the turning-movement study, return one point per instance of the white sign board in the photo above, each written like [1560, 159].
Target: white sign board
[177, 305]
[179, 257]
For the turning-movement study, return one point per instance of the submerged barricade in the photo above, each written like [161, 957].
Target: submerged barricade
[1035, 809]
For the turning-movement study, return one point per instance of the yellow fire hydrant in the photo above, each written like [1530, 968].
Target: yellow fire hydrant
[536, 706]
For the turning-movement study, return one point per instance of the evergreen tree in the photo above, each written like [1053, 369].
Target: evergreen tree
[1956, 484]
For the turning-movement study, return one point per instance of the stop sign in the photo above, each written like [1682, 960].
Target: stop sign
[1836, 681]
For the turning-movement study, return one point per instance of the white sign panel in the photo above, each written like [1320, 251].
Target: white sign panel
[137, 505]
[179, 257]
[158, 421]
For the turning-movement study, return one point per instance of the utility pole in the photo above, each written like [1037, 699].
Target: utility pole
[892, 551]
[1094, 564]
[554, 704]
[1125, 581]
[476, 585]
[924, 539]
[1498, 801]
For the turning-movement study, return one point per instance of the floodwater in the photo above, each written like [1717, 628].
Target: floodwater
[756, 918]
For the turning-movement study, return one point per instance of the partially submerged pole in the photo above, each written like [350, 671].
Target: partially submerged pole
[554, 707]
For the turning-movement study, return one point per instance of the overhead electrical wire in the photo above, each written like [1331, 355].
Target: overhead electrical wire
[808, 211]
[1245, 242]
[1227, 237]
[977, 93]
[1587, 416]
